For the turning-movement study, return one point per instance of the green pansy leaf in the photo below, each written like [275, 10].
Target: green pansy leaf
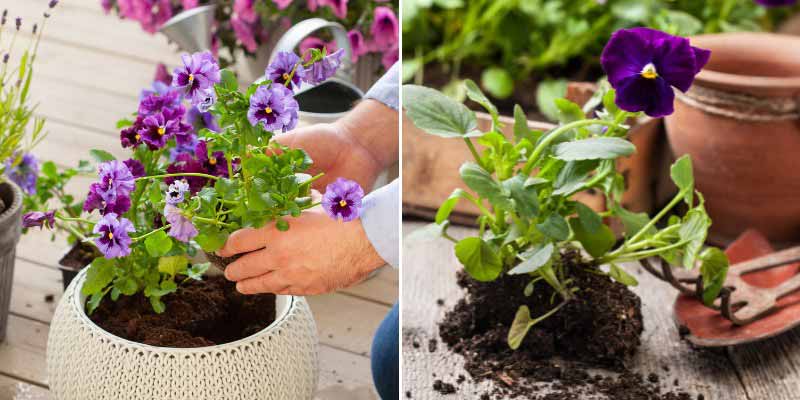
[101, 156]
[155, 301]
[683, 177]
[535, 258]
[158, 244]
[555, 227]
[633, 222]
[590, 220]
[526, 199]
[546, 94]
[99, 275]
[521, 129]
[437, 114]
[477, 179]
[609, 102]
[126, 286]
[618, 274]
[596, 148]
[196, 271]
[713, 268]
[475, 94]
[520, 327]
[447, 207]
[211, 240]
[694, 229]
[597, 243]
[428, 232]
[568, 111]
[172, 265]
[228, 80]
[498, 82]
[480, 260]
[155, 194]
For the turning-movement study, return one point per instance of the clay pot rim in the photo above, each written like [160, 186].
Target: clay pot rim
[724, 79]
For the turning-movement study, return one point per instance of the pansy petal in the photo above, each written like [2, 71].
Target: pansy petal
[701, 57]
[662, 100]
[625, 55]
[675, 62]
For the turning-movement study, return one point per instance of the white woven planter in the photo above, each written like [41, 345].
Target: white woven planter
[86, 362]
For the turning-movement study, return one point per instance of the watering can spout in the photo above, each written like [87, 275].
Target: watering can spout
[191, 30]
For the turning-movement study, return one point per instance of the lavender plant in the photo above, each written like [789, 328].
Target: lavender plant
[196, 176]
[524, 185]
[20, 130]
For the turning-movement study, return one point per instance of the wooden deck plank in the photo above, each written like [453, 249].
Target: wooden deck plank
[14, 389]
[429, 274]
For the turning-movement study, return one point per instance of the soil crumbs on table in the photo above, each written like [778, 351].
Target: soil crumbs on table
[599, 329]
[201, 313]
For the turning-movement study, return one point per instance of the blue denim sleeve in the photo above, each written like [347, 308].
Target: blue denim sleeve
[380, 218]
[387, 89]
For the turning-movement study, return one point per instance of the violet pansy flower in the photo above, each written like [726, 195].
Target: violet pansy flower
[181, 228]
[280, 71]
[342, 199]
[115, 179]
[273, 107]
[384, 28]
[105, 202]
[643, 65]
[130, 137]
[24, 173]
[135, 167]
[324, 69]
[157, 129]
[176, 192]
[215, 163]
[186, 163]
[776, 3]
[114, 240]
[154, 102]
[39, 219]
[199, 71]
[204, 99]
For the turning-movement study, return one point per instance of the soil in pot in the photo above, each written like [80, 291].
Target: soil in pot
[78, 257]
[600, 328]
[201, 313]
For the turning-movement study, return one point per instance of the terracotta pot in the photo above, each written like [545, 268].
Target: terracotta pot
[431, 164]
[740, 124]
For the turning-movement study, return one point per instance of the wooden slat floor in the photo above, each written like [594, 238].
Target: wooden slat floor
[767, 370]
[90, 70]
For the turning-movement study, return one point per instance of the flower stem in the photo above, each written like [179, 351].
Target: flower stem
[196, 174]
[163, 228]
[554, 135]
[212, 221]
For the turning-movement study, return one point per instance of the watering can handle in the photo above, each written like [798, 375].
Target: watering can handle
[301, 30]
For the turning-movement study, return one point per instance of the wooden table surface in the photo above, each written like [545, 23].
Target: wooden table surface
[768, 370]
[90, 70]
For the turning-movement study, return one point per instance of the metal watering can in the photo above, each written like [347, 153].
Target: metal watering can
[191, 30]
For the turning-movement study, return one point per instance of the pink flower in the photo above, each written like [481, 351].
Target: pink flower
[189, 4]
[312, 5]
[215, 45]
[151, 14]
[339, 7]
[313, 42]
[282, 4]
[244, 9]
[357, 44]
[390, 57]
[162, 75]
[384, 28]
[106, 4]
[245, 33]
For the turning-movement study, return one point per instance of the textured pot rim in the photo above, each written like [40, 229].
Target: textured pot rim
[79, 298]
[730, 80]
[15, 206]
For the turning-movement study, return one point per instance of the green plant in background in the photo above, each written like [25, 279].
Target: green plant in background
[20, 130]
[511, 41]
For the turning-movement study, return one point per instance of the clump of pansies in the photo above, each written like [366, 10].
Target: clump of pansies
[247, 24]
[203, 165]
[534, 226]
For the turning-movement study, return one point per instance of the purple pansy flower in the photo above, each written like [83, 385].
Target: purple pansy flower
[186, 163]
[325, 68]
[135, 166]
[105, 202]
[130, 137]
[40, 219]
[154, 102]
[281, 69]
[643, 65]
[181, 228]
[158, 128]
[342, 198]
[273, 107]
[176, 192]
[199, 71]
[204, 99]
[357, 45]
[24, 173]
[106, 4]
[162, 74]
[384, 28]
[215, 164]
[776, 3]
[114, 240]
[312, 42]
[199, 120]
[185, 146]
[116, 178]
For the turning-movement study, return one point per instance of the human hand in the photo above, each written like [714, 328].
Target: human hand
[316, 255]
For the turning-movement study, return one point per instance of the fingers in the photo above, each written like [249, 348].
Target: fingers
[247, 240]
[252, 265]
[273, 282]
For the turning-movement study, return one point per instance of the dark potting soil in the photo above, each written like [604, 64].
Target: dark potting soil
[599, 328]
[78, 257]
[200, 313]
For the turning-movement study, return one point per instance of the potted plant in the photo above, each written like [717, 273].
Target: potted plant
[20, 131]
[252, 28]
[147, 318]
[544, 274]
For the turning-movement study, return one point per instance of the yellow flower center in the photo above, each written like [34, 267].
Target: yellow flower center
[110, 235]
[649, 72]
[161, 131]
[343, 203]
[191, 78]
[212, 161]
[285, 76]
[268, 110]
[138, 137]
